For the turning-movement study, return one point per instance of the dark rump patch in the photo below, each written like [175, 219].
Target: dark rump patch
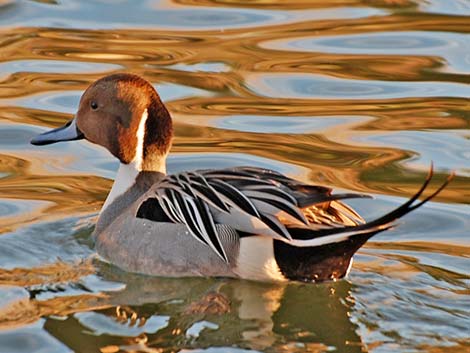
[319, 263]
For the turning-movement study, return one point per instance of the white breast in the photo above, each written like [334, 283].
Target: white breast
[125, 178]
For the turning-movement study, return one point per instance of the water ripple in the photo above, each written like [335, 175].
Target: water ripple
[182, 162]
[447, 149]
[380, 43]
[101, 324]
[445, 44]
[32, 338]
[358, 95]
[457, 7]
[284, 125]
[74, 14]
[312, 86]
[55, 66]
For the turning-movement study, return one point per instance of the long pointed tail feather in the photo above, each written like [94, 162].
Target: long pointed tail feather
[311, 238]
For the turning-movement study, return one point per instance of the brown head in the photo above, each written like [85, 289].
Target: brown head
[123, 113]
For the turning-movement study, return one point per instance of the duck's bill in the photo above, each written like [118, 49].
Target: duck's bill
[68, 132]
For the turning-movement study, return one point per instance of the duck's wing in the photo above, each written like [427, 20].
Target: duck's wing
[259, 202]
[251, 200]
[279, 198]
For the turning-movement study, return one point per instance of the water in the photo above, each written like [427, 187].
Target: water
[358, 95]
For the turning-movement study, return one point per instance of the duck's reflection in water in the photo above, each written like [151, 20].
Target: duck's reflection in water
[160, 314]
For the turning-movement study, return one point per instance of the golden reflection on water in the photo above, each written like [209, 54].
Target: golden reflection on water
[355, 94]
[50, 273]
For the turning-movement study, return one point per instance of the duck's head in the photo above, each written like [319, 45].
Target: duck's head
[124, 114]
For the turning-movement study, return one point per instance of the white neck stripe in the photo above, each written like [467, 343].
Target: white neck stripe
[127, 173]
[139, 150]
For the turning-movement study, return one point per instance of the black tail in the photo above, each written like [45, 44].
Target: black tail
[325, 254]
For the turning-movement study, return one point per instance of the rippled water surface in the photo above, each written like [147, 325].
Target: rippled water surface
[360, 95]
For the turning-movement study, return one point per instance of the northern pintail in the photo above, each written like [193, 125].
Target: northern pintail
[243, 222]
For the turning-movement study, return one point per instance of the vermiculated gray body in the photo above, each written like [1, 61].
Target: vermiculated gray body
[165, 249]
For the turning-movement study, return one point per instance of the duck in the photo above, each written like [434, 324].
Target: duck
[243, 222]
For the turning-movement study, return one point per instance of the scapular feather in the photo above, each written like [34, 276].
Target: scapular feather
[257, 196]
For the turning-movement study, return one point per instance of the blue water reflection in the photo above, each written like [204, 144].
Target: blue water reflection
[448, 45]
[100, 324]
[283, 125]
[182, 161]
[157, 14]
[141, 13]
[455, 7]
[447, 149]
[56, 66]
[31, 338]
[313, 86]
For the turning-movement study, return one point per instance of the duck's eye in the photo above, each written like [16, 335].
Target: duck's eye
[94, 105]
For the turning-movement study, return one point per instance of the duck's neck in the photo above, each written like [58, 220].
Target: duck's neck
[126, 178]
[150, 156]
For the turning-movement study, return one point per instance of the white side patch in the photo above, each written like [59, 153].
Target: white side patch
[127, 173]
[256, 260]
